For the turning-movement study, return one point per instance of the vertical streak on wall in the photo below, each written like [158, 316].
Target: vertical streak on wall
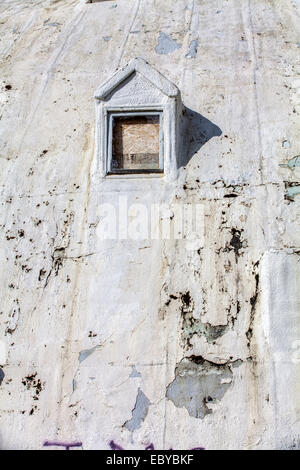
[123, 46]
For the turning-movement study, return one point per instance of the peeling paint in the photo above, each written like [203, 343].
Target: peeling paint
[193, 47]
[139, 412]
[134, 373]
[211, 332]
[198, 383]
[193, 326]
[86, 353]
[2, 375]
[165, 44]
[292, 163]
[286, 144]
[292, 190]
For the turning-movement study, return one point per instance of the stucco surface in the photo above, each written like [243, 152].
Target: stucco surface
[106, 340]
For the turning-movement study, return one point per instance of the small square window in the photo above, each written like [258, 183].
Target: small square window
[135, 143]
[140, 125]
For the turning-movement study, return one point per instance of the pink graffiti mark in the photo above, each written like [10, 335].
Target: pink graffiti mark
[115, 446]
[66, 445]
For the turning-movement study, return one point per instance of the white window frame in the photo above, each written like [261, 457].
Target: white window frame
[171, 111]
[111, 114]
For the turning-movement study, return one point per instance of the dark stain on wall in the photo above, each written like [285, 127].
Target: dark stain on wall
[192, 325]
[253, 302]
[2, 375]
[31, 382]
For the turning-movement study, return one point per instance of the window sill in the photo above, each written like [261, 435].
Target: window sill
[141, 175]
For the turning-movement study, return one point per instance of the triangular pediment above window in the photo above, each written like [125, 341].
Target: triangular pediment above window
[137, 66]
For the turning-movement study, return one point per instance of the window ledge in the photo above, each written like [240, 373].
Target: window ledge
[126, 176]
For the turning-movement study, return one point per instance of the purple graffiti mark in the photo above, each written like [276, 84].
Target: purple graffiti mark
[115, 446]
[149, 447]
[66, 445]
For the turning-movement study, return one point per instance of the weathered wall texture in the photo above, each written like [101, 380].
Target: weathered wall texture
[148, 342]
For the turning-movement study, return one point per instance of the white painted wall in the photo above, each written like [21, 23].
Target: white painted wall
[94, 334]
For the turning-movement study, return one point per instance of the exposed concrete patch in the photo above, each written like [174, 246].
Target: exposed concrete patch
[193, 326]
[286, 144]
[134, 373]
[211, 332]
[2, 375]
[292, 163]
[199, 382]
[292, 190]
[139, 412]
[165, 44]
[86, 353]
[193, 47]
[74, 385]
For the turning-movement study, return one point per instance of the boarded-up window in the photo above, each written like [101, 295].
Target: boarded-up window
[136, 143]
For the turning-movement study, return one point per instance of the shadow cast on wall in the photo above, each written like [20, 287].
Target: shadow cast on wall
[198, 131]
